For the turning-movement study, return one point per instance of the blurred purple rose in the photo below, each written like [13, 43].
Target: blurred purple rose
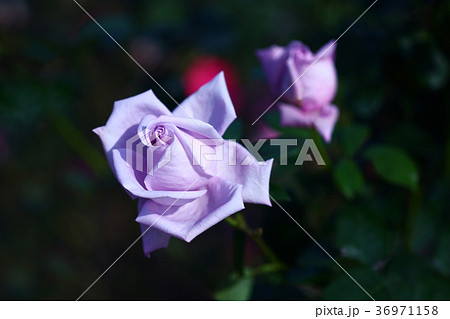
[307, 102]
[201, 194]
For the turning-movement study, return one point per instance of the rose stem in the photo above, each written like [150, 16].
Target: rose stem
[239, 223]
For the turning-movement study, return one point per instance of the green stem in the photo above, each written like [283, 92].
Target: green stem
[239, 223]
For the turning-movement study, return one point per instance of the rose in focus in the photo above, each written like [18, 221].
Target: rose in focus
[307, 83]
[187, 194]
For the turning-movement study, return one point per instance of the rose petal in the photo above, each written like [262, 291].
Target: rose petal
[126, 175]
[240, 167]
[196, 148]
[326, 121]
[273, 64]
[178, 171]
[125, 117]
[264, 131]
[291, 69]
[300, 51]
[320, 81]
[210, 104]
[186, 222]
[328, 50]
[323, 120]
[292, 81]
[153, 239]
[199, 128]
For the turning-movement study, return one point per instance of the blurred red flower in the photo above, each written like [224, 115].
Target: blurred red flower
[206, 67]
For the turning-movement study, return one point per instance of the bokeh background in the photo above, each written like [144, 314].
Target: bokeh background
[380, 206]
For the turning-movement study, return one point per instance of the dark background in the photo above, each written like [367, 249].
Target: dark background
[380, 207]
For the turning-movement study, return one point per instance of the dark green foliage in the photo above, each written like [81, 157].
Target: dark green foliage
[380, 207]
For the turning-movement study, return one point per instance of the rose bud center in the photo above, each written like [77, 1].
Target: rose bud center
[157, 136]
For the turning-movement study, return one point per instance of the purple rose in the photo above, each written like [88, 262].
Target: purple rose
[307, 102]
[183, 194]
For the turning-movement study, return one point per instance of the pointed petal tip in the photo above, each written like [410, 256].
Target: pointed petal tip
[211, 103]
[325, 124]
[328, 50]
[98, 130]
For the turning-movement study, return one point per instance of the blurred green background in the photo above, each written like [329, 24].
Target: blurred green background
[380, 207]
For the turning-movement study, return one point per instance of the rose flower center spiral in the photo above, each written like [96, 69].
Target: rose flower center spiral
[157, 136]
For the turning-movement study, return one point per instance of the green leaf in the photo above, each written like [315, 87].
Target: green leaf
[363, 237]
[348, 177]
[353, 137]
[234, 131]
[279, 193]
[344, 288]
[394, 165]
[273, 120]
[428, 283]
[236, 288]
[422, 227]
